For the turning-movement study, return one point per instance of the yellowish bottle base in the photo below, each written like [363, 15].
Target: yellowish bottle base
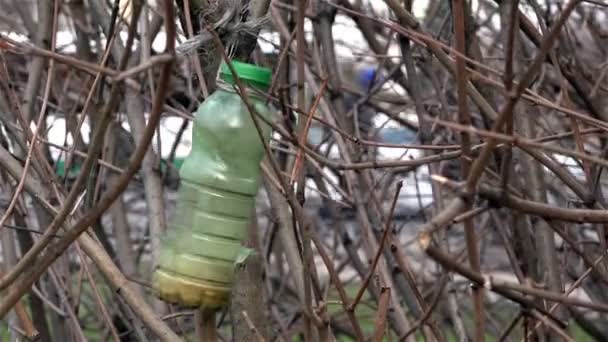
[190, 292]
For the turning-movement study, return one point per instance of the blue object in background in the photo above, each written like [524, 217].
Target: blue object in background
[397, 135]
[367, 75]
[365, 78]
[391, 135]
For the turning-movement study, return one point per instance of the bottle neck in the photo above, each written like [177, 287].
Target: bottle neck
[252, 89]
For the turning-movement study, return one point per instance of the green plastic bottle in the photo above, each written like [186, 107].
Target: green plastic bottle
[219, 182]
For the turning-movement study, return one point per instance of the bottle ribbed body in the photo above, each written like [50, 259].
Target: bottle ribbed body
[219, 181]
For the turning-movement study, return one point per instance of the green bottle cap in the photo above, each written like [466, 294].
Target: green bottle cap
[249, 73]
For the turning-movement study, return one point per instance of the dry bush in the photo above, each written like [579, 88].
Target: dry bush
[456, 196]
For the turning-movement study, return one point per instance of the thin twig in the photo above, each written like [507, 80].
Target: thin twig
[385, 233]
[252, 327]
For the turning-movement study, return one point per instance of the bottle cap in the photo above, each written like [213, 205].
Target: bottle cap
[249, 73]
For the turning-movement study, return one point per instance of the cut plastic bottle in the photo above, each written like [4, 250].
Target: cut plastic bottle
[219, 181]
